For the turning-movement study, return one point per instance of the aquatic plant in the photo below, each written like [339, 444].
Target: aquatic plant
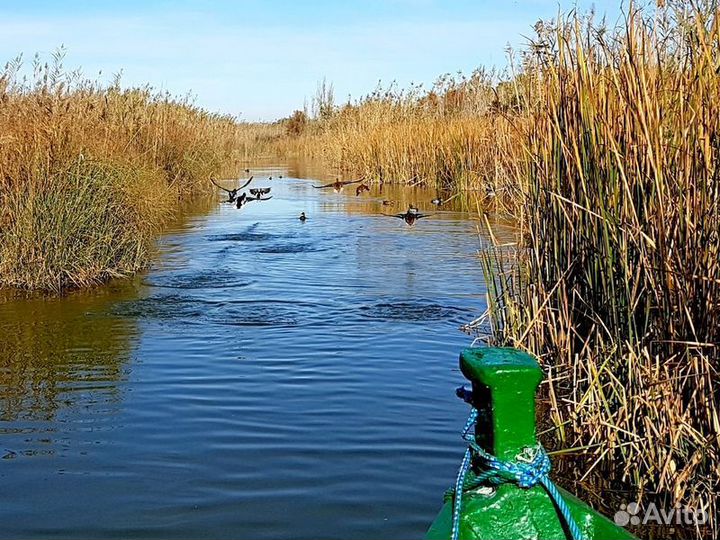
[448, 137]
[90, 172]
[616, 283]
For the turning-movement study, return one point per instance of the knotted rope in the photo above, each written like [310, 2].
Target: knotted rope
[529, 468]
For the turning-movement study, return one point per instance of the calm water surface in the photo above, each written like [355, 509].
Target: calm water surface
[265, 379]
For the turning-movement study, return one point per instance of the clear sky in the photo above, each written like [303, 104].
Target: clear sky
[259, 59]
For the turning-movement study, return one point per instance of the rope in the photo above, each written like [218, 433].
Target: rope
[529, 468]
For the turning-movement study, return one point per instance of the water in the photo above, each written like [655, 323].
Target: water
[267, 378]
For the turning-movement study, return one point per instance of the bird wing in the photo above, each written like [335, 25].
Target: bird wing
[261, 199]
[218, 185]
[246, 183]
[325, 186]
[352, 182]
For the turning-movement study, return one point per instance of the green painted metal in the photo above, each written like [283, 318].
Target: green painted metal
[504, 382]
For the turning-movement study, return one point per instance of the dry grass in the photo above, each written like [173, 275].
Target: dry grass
[617, 284]
[89, 173]
[449, 137]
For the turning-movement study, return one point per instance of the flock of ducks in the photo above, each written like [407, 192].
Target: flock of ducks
[257, 194]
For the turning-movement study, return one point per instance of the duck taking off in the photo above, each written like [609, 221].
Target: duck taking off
[258, 192]
[409, 217]
[337, 186]
[243, 199]
[361, 188]
[232, 193]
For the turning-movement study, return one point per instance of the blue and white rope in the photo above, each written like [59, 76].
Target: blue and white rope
[528, 469]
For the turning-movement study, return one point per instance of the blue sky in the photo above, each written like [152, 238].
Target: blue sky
[259, 59]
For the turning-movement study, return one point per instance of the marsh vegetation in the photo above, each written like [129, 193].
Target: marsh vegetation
[89, 173]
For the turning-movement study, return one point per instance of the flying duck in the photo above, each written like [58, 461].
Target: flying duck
[232, 193]
[337, 186]
[409, 217]
[243, 199]
[258, 192]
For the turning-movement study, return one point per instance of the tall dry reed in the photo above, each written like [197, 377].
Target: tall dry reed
[90, 172]
[448, 137]
[617, 284]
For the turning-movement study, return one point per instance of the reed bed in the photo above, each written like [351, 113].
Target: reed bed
[89, 173]
[616, 285]
[449, 137]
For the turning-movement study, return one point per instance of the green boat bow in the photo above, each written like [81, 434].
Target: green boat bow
[505, 490]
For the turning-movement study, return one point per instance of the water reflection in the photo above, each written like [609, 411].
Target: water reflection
[62, 361]
[399, 197]
[60, 352]
[67, 354]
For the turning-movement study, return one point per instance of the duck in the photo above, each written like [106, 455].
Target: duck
[439, 201]
[302, 217]
[361, 188]
[232, 193]
[247, 171]
[388, 203]
[409, 217]
[257, 192]
[337, 186]
[243, 199]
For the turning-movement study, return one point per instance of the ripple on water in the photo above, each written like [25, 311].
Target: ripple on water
[165, 307]
[291, 248]
[255, 315]
[207, 279]
[176, 308]
[412, 311]
[241, 237]
[250, 234]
